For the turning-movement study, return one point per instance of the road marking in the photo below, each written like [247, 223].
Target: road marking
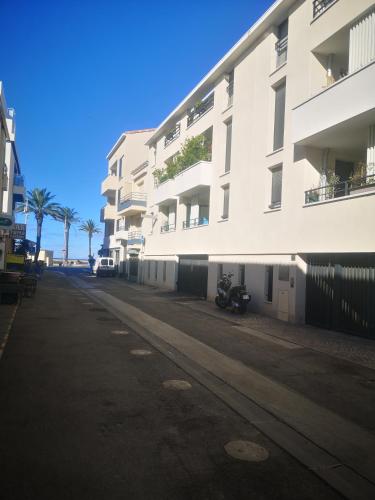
[120, 332]
[268, 338]
[6, 336]
[140, 352]
[177, 385]
[246, 450]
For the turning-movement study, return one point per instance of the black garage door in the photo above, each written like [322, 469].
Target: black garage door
[340, 292]
[192, 274]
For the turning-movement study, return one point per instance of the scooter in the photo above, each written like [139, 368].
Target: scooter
[235, 297]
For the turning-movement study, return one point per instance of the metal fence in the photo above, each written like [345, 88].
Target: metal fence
[199, 221]
[320, 6]
[200, 109]
[338, 189]
[167, 228]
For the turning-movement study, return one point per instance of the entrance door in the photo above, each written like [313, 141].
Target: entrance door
[340, 292]
[193, 275]
[133, 268]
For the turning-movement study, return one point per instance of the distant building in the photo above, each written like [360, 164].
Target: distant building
[12, 186]
[47, 257]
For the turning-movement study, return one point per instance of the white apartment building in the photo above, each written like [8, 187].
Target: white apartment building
[284, 196]
[12, 187]
[126, 195]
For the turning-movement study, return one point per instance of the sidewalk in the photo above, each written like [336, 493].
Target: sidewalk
[6, 317]
[341, 345]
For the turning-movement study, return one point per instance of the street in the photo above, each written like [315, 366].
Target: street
[113, 390]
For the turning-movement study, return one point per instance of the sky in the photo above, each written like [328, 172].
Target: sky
[81, 72]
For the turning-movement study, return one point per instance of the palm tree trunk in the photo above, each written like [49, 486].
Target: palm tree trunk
[66, 241]
[90, 236]
[39, 222]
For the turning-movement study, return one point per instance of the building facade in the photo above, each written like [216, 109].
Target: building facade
[282, 190]
[126, 195]
[12, 186]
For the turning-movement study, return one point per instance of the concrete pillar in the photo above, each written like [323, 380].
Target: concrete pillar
[371, 152]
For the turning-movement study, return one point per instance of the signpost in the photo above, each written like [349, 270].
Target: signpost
[19, 231]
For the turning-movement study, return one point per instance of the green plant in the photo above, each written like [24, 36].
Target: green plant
[67, 216]
[90, 228]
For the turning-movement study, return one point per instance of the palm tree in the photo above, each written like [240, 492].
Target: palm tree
[67, 216]
[39, 202]
[90, 228]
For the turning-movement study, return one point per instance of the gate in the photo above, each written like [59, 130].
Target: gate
[193, 275]
[340, 293]
[133, 268]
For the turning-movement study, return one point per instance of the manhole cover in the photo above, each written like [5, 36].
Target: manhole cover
[246, 450]
[140, 352]
[120, 332]
[177, 385]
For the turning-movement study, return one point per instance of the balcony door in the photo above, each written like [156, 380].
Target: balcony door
[343, 171]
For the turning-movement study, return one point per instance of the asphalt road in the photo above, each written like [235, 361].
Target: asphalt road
[83, 416]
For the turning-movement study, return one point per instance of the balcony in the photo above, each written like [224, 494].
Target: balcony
[18, 188]
[329, 116]
[132, 203]
[351, 187]
[108, 212]
[172, 134]
[319, 6]
[200, 109]
[121, 234]
[167, 228]
[109, 185]
[198, 222]
[281, 48]
[135, 238]
[186, 182]
[230, 92]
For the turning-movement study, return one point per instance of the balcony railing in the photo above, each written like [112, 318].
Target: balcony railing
[135, 198]
[167, 228]
[230, 89]
[281, 47]
[339, 189]
[134, 237]
[320, 6]
[172, 135]
[199, 221]
[200, 109]
[18, 180]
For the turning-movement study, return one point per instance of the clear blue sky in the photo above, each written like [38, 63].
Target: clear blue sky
[79, 73]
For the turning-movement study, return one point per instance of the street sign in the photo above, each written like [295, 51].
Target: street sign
[19, 231]
[6, 222]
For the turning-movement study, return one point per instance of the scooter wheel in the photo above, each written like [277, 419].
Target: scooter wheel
[219, 304]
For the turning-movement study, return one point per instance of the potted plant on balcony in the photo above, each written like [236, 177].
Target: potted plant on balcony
[360, 182]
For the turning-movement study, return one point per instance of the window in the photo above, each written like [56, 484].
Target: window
[268, 283]
[156, 270]
[164, 271]
[282, 43]
[225, 202]
[230, 87]
[148, 269]
[118, 224]
[278, 133]
[277, 180]
[228, 147]
[120, 168]
[219, 271]
[241, 274]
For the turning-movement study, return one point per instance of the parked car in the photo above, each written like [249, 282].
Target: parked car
[104, 266]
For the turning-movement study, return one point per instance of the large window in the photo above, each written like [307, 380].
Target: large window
[276, 187]
[282, 43]
[268, 283]
[278, 133]
[225, 214]
[228, 147]
[120, 167]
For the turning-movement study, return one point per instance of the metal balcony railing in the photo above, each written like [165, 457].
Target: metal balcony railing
[281, 47]
[136, 197]
[18, 180]
[200, 109]
[339, 189]
[134, 236]
[167, 228]
[320, 6]
[172, 134]
[199, 221]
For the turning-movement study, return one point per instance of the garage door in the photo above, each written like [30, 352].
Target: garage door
[192, 274]
[340, 292]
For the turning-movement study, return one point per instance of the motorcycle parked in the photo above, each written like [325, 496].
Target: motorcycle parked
[235, 297]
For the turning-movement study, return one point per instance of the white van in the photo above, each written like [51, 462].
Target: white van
[104, 266]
